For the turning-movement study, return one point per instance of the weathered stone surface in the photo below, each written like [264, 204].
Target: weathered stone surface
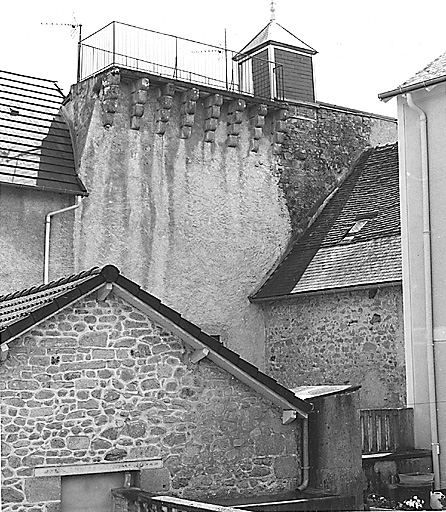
[42, 489]
[78, 442]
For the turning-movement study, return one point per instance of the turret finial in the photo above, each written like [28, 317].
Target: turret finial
[273, 10]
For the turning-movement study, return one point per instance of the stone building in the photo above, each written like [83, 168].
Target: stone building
[103, 386]
[333, 306]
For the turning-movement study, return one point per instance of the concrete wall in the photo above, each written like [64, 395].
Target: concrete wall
[335, 445]
[22, 237]
[338, 338]
[414, 267]
[101, 383]
[198, 223]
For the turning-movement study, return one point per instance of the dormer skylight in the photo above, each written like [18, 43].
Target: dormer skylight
[361, 221]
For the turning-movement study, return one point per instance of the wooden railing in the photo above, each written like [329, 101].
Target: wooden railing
[387, 430]
[136, 500]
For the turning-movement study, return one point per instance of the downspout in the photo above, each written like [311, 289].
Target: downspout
[305, 458]
[46, 254]
[428, 291]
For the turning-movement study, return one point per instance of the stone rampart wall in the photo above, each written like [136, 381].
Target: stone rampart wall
[101, 383]
[195, 195]
[320, 147]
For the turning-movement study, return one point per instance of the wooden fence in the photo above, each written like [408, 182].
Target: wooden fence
[387, 430]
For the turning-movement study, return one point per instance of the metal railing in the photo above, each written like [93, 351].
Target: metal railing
[119, 44]
[136, 500]
[386, 430]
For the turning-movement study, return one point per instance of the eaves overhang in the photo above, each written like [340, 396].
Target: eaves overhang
[327, 291]
[386, 96]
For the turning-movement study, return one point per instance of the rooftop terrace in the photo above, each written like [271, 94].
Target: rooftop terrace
[119, 44]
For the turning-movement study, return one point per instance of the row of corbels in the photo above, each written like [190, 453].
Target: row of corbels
[213, 103]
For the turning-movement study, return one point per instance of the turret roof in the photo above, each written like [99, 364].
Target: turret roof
[275, 33]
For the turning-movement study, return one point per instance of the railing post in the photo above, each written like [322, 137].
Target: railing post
[175, 71]
[79, 50]
[113, 42]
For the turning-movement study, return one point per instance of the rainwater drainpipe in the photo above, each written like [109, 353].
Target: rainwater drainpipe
[46, 254]
[428, 291]
[305, 458]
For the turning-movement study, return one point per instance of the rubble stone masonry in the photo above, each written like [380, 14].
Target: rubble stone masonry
[341, 338]
[100, 382]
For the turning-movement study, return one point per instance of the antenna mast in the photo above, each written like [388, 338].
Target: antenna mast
[74, 26]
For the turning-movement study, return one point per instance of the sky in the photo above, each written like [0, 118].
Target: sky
[364, 47]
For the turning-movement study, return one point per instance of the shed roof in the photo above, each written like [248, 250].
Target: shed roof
[23, 310]
[275, 33]
[355, 240]
[35, 144]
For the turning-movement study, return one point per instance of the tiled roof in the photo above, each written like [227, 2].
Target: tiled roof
[433, 73]
[274, 32]
[435, 69]
[21, 311]
[355, 240]
[35, 143]
[21, 304]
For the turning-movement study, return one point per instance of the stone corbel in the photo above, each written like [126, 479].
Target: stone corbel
[212, 105]
[4, 351]
[235, 118]
[109, 96]
[280, 129]
[188, 109]
[288, 416]
[165, 101]
[139, 99]
[256, 124]
[198, 355]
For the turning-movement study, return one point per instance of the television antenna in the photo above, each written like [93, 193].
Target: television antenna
[75, 26]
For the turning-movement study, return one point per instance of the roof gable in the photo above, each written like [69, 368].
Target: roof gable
[355, 240]
[22, 311]
[35, 143]
[276, 33]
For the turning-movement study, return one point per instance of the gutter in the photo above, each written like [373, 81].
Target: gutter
[386, 96]
[46, 252]
[430, 349]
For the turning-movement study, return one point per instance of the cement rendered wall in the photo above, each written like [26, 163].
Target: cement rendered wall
[22, 237]
[99, 382]
[335, 445]
[421, 333]
[339, 338]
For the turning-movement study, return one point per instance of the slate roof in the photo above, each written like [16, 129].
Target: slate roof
[355, 241]
[23, 310]
[276, 33]
[35, 144]
[434, 72]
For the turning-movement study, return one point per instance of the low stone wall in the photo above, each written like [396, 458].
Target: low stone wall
[101, 383]
[340, 338]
